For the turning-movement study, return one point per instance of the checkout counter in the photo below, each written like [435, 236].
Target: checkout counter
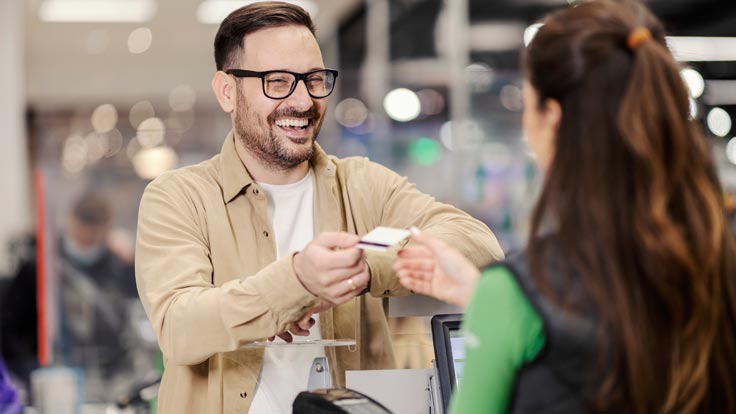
[399, 391]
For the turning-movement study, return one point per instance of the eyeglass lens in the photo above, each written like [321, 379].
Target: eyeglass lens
[280, 84]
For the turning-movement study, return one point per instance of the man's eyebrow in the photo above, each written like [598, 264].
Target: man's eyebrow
[289, 70]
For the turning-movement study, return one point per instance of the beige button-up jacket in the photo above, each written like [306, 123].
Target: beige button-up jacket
[209, 280]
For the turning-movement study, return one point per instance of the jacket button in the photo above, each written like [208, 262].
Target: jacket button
[255, 191]
[386, 292]
[243, 394]
[265, 233]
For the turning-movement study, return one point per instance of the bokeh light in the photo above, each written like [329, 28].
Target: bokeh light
[104, 118]
[694, 81]
[471, 135]
[446, 135]
[139, 112]
[351, 112]
[140, 40]
[731, 150]
[719, 122]
[431, 101]
[180, 121]
[694, 108]
[149, 163]
[97, 146]
[115, 142]
[402, 105]
[479, 77]
[74, 154]
[182, 98]
[530, 32]
[510, 97]
[151, 132]
[425, 151]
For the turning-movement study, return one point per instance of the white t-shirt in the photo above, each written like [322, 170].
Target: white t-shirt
[285, 370]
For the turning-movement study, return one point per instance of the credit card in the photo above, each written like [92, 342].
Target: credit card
[381, 238]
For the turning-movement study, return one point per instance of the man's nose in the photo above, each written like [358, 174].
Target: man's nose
[300, 99]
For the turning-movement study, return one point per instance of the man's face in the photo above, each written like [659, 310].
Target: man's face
[265, 125]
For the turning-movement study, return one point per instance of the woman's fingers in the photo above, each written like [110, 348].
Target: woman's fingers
[416, 285]
[415, 251]
[415, 265]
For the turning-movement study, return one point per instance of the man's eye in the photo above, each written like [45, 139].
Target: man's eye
[277, 81]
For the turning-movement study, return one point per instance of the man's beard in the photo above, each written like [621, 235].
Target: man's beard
[259, 138]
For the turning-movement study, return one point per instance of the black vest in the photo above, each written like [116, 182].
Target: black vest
[562, 378]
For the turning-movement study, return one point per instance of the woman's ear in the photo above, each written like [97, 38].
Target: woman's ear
[224, 87]
[552, 114]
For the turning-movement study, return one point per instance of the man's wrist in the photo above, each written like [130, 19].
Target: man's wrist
[295, 266]
[367, 287]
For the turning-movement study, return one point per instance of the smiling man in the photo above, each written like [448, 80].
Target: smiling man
[260, 241]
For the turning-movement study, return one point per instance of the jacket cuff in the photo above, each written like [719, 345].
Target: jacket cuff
[285, 295]
[384, 281]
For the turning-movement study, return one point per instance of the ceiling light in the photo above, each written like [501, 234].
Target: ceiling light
[109, 11]
[702, 49]
[215, 11]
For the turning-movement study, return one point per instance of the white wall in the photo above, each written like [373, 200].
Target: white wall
[15, 213]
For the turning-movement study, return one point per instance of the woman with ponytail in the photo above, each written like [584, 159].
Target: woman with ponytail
[624, 300]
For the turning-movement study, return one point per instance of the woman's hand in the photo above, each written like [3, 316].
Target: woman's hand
[435, 269]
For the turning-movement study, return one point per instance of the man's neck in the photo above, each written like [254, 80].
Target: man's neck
[265, 174]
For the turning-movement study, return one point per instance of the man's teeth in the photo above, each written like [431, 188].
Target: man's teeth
[301, 122]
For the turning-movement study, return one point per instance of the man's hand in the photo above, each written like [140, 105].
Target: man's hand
[332, 268]
[303, 325]
[299, 328]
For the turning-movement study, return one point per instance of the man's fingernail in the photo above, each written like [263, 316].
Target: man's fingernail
[415, 231]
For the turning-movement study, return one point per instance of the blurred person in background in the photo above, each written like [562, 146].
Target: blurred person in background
[260, 241]
[9, 400]
[624, 300]
[95, 289]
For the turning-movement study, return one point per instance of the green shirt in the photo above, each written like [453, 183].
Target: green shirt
[502, 333]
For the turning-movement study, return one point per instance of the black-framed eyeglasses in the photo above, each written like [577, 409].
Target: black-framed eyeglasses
[279, 84]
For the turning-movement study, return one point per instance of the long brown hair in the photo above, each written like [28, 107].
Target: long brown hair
[635, 202]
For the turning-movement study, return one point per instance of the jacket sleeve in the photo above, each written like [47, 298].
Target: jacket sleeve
[192, 318]
[398, 203]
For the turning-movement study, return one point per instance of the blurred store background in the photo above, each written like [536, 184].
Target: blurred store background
[101, 96]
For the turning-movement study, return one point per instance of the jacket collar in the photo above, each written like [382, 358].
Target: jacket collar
[235, 176]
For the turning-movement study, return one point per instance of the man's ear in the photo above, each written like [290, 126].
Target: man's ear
[224, 87]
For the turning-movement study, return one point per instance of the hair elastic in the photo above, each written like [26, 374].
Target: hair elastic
[637, 37]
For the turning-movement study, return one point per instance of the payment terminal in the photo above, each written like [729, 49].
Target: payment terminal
[336, 401]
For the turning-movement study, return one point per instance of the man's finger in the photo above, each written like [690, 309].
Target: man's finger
[286, 336]
[339, 259]
[305, 324]
[336, 240]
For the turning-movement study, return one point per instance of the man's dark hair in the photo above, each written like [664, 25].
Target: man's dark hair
[92, 209]
[251, 18]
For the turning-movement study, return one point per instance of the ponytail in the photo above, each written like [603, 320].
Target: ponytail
[637, 208]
